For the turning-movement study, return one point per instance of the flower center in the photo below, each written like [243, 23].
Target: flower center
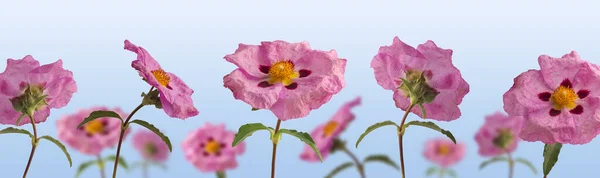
[443, 150]
[282, 71]
[162, 77]
[94, 127]
[212, 147]
[564, 97]
[504, 138]
[329, 128]
[150, 149]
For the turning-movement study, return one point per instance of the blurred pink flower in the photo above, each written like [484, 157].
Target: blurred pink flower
[444, 152]
[94, 136]
[151, 146]
[499, 134]
[26, 75]
[209, 148]
[559, 103]
[175, 95]
[403, 61]
[326, 133]
[290, 79]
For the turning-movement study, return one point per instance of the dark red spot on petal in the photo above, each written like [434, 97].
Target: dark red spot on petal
[264, 84]
[264, 69]
[104, 122]
[554, 112]
[222, 145]
[80, 128]
[202, 145]
[577, 110]
[292, 86]
[88, 134]
[304, 73]
[566, 83]
[583, 93]
[105, 132]
[210, 139]
[218, 154]
[545, 96]
[205, 153]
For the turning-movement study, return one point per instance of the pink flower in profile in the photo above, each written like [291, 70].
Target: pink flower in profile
[325, 134]
[209, 148]
[559, 103]
[444, 152]
[403, 61]
[499, 134]
[175, 95]
[151, 146]
[94, 136]
[290, 79]
[25, 78]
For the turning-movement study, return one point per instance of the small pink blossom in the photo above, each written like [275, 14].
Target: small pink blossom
[444, 152]
[326, 133]
[175, 95]
[499, 134]
[396, 61]
[209, 148]
[151, 146]
[560, 102]
[94, 136]
[52, 79]
[290, 79]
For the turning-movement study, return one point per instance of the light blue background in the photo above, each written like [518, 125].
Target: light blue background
[492, 41]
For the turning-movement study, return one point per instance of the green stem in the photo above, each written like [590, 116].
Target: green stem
[274, 149]
[123, 129]
[221, 174]
[511, 165]
[400, 135]
[359, 166]
[442, 172]
[101, 166]
[33, 145]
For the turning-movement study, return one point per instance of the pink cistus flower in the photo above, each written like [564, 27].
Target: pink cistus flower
[175, 95]
[326, 133]
[94, 136]
[499, 134]
[290, 79]
[209, 148]
[559, 102]
[151, 146]
[25, 78]
[403, 61]
[444, 152]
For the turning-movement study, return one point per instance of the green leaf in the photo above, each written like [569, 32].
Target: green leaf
[156, 131]
[220, 174]
[83, 166]
[423, 110]
[551, 153]
[430, 125]
[246, 131]
[492, 160]
[430, 171]
[373, 127]
[339, 169]
[99, 114]
[15, 130]
[450, 172]
[255, 109]
[20, 118]
[61, 146]
[527, 163]
[122, 162]
[382, 159]
[304, 137]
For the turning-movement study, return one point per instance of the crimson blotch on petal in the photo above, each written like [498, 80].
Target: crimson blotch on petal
[209, 148]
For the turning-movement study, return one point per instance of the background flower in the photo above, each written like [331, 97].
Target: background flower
[444, 152]
[499, 134]
[150, 146]
[209, 148]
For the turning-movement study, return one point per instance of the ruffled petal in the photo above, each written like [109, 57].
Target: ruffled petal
[523, 97]
[555, 70]
[245, 87]
[177, 101]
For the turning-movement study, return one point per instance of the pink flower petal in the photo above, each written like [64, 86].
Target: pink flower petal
[522, 97]
[177, 102]
[193, 148]
[312, 93]
[245, 87]
[555, 70]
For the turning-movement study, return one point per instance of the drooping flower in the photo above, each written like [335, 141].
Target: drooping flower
[24, 82]
[209, 148]
[94, 136]
[499, 134]
[150, 146]
[290, 79]
[443, 85]
[444, 152]
[559, 102]
[175, 95]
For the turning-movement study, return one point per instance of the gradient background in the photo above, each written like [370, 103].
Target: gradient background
[493, 42]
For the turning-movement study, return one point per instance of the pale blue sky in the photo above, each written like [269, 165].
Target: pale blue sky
[492, 41]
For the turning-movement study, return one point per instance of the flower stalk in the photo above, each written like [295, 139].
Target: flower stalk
[34, 143]
[276, 137]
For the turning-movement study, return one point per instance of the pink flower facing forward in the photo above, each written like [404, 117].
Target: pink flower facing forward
[95, 135]
[151, 146]
[209, 148]
[403, 61]
[325, 134]
[499, 134]
[24, 80]
[175, 95]
[290, 79]
[559, 102]
[444, 152]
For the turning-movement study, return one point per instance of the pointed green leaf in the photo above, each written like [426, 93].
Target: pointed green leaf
[61, 146]
[430, 125]
[246, 131]
[492, 160]
[423, 110]
[122, 162]
[304, 137]
[373, 127]
[526, 163]
[83, 166]
[255, 109]
[430, 171]
[16, 130]
[156, 131]
[339, 169]
[382, 159]
[551, 153]
[20, 118]
[450, 172]
[99, 114]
